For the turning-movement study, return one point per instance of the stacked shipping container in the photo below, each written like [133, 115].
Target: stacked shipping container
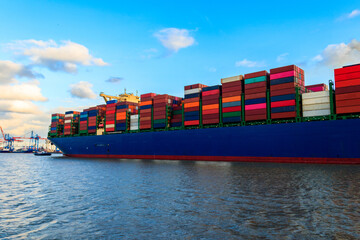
[146, 104]
[83, 128]
[95, 114]
[256, 85]
[347, 92]
[231, 99]
[134, 122]
[162, 109]
[317, 87]
[210, 104]
[123, 109]
[110, 116]
[176, 118]
[71, 122]
[316, 104]
[57, 124]
[192, 94]
[283, 84]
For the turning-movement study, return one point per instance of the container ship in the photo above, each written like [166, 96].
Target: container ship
[256, 117]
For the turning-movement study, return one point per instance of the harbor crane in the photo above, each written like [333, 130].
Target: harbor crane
[9, 141]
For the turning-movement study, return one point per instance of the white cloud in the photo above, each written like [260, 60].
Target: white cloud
[18, 106]
[67, 56]
[174, 38]
[282, 57]
[23, 91]
[354, 13]
[337, 55]
[248, 63]
[82, 89]
[10, 70]
[17, 124]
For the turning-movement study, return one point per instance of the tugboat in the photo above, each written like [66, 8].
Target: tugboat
[42, 153]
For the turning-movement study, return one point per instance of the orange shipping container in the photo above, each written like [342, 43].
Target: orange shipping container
[231, 99]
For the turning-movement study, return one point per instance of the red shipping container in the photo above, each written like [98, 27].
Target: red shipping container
[347, 83]
[192, 109]
[210, 97]
[348, 69]
[231, 109]
[282, 86]
[231, 89]
[347, 96]
[191, 100]
[145, 111]
[283, 103]
[191, 123]
[350, 89]
[210, 102]
[255, 117]
[255, 95]
[231, 94]
[280, 92]
[347, 103]
[255, 112]
[255, 85]
[211, 116]
[232, 84]
[256, 90]
[211, 111]
[256, 74]
[211, 92]
[283, 115]
[210, 121]
[350, 109]
[347, 76]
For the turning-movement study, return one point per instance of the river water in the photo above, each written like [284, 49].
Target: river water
[65, 198]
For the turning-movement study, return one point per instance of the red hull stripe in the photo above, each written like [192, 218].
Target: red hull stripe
[228, 159]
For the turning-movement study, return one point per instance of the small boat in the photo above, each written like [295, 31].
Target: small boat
[42, 153]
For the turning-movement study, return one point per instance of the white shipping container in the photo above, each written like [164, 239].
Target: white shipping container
[134, 128]
[315, 95]
[69, 115]
[316, 101]
[316, 113]
[192, 91]
[68, 121]
[134, 124]
[134, 116]
[232, 79]
[110, 125]
[323, 106]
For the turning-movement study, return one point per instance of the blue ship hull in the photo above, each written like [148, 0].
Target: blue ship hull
[336, 142]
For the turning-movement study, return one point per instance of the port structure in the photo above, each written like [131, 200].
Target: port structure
[125, 97]
[9, 141]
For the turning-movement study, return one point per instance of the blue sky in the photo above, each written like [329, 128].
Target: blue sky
[159, 47]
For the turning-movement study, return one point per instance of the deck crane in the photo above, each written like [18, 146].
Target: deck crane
[129, 97]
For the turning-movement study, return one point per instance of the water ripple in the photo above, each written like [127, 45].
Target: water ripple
[64, 198]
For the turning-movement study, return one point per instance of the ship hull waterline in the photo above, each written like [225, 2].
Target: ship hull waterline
[321, 142]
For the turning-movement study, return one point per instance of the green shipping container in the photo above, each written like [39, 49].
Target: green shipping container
[255, 80]
[159, 121]
[232, 114]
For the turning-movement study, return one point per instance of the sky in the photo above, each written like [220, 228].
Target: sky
[57, 56]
